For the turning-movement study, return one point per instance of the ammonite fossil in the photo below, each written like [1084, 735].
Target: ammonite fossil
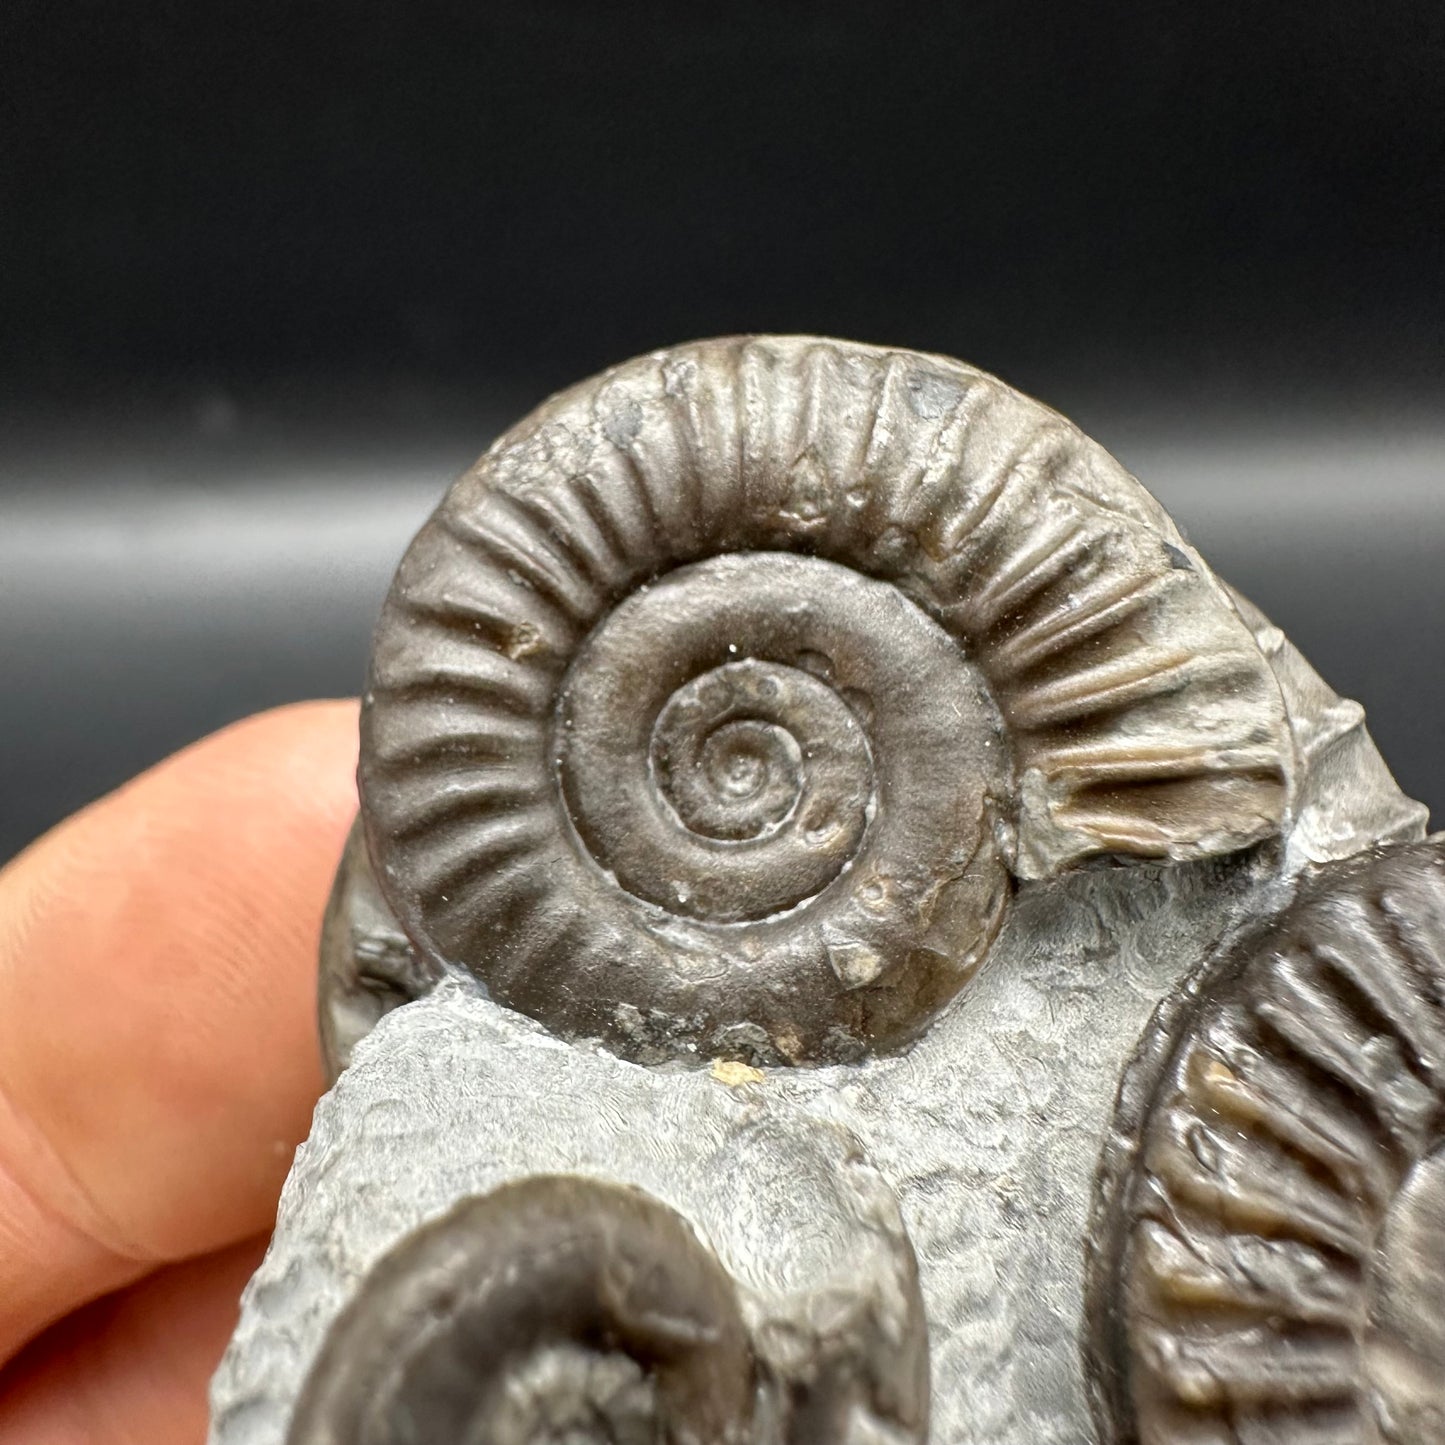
[560, 1308]
[1281, 1275]
[854, 934]
[621, 1321]
[716, 706]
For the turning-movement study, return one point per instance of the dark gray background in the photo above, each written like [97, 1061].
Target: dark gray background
[270, 274]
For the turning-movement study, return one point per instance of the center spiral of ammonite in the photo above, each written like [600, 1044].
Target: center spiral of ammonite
[743, 750]
[753, 749]
[722, 756]
[756, 791]
[714, 748]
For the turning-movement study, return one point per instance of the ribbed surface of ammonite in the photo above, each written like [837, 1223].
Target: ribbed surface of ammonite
[718, 707]
[1278, 1267]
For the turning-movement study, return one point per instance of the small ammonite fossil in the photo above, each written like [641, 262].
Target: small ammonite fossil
[562, 1309]
[1279, 1267]
[554, 1309]
[854, 936]
[720, 704]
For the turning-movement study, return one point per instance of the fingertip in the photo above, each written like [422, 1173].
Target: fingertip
[134, 1366]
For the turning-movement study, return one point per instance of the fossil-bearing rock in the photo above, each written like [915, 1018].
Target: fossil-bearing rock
[835, 843]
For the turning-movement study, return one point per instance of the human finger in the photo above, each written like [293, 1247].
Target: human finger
[134, 1366]
[158, 1060]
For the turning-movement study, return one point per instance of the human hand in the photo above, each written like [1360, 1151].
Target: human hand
[158, 1066]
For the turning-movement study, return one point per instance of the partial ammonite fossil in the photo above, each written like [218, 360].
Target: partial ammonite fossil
[554, 1309]
[718, 707]
[1276, 1267]
[561, 1308]
[368, 965]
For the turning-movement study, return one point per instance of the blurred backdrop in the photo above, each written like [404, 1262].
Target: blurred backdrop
[272, 273]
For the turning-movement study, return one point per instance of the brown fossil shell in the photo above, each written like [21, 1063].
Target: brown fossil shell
[553, 1309]
[1275, 1259]
[564, 1308]
[367, 966]
[716, 709]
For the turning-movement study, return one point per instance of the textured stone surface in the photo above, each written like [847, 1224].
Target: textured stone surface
[988, 1132]
[454, 1096]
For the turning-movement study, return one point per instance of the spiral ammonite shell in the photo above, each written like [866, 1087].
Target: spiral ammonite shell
[554, 1309]
[717, 707]
[1278, 1273]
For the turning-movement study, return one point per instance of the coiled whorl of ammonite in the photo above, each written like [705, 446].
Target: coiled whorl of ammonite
[1273, 1258]
[716, 708]
[551, 1312]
